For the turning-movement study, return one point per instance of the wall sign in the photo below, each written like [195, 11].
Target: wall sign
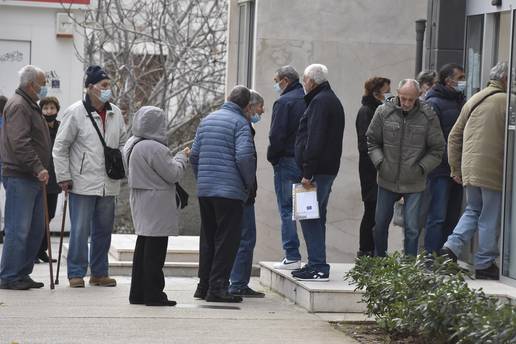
[13, 56]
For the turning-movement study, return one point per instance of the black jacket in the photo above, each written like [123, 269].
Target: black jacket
[286, 113]
[447, 104]
[53, 187]
[319, 138]
[254, 186]
[366, 169]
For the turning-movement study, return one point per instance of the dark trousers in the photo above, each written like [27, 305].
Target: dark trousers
[367, 227]
[147, 280]
[221, 219]
[52, 205]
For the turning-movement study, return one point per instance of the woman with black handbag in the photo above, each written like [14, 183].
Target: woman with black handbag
[153, 173]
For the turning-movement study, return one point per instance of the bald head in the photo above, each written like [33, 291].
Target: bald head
[408, 93]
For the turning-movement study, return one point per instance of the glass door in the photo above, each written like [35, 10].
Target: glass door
[509, 209]
[473, 53]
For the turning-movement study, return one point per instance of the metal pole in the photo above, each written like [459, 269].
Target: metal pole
[420, 36]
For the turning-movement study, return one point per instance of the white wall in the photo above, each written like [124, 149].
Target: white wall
[38, 25]
[356, 39]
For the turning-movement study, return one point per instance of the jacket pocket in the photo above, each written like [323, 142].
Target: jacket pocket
[388, 171]
[82, 162]
[391, 133]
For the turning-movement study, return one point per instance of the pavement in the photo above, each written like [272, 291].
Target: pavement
[104, 315]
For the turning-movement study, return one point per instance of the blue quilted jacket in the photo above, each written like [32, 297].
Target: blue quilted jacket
[222, 154]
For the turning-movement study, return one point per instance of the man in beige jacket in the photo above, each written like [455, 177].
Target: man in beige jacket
[475, 155]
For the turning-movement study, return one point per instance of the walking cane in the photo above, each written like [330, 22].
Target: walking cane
[47, 228]
[62, 236]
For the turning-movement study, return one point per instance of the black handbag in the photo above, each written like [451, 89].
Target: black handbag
[181, 194]
[112, 156]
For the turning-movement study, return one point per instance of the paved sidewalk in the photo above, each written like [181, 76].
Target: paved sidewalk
[104, 315]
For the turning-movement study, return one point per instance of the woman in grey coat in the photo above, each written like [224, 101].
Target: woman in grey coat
[152, 174]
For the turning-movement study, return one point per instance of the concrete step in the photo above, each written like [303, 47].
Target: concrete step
[334, 296]
[180, 248]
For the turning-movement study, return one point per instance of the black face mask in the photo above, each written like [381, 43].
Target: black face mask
[50, 118]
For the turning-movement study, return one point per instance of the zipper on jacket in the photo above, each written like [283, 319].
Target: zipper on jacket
[399, 160]
[82, 162]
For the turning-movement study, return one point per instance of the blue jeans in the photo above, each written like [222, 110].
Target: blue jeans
[443, 212]
[314, 230]
[241, 272]
[483, 209]
[287, 173]
[24, 227]
[93, 214]
[384, 212]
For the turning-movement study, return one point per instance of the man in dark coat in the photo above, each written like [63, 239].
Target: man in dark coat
[286, 113]
[447, 99]
[318, 152]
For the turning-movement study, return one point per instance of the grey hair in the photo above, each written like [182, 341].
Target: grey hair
[28, 74]
[499, 71]
[288, 72]
[256, 98]
[413, 82]
[240, 95]
[317, 72]
[427, 77]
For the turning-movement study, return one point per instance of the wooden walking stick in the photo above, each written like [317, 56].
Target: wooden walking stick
[47, 229]
[62, 236]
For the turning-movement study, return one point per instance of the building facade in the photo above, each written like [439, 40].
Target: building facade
[41, 33]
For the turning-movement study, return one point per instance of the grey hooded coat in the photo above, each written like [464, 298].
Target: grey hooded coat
[152, 172]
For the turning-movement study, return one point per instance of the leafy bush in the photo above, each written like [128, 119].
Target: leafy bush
[430, 298]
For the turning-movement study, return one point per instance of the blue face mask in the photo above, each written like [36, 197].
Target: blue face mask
[277, 88]
[105, 96]
[255, 118]
[42, 92]
[461, 86]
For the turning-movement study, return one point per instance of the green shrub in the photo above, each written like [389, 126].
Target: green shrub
[430, 298]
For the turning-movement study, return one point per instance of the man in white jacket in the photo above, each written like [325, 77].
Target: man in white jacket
[80, 170]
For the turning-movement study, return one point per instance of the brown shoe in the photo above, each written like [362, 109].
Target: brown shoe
[76, 282]
[103, 281]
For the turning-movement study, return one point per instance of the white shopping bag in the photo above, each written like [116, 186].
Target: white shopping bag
[304, 202]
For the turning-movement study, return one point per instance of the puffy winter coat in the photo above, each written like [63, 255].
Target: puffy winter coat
[78, 152]
[404, 147]
[223, 156]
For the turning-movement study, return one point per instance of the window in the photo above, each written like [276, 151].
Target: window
[473, 63]
[245, 42]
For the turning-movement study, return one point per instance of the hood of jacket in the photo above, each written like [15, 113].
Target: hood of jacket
[150, 123]
[393, 104]
[441, 91]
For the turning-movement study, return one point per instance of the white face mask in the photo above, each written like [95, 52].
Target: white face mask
[387, 95]
[461, 86]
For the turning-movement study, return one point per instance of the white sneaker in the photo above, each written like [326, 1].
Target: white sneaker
[288, 264]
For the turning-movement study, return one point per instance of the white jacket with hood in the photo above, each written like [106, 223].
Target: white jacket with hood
[78, 152]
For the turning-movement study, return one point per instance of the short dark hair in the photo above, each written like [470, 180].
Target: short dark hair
[3, 100]
[49, 100]
[447, 71]
[374, 85]
[240, 95]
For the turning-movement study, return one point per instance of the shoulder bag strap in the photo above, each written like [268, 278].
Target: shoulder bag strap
[481, 100]
[94, 125]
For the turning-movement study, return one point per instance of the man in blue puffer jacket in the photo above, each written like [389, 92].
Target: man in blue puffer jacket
[447, 99]
[224, 165]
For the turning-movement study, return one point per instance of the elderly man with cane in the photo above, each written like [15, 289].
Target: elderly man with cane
[25, 150]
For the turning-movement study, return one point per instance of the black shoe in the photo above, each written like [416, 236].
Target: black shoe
[16, 285]
[136, 302]
[222, 295]
[161, 303]
[34, 284]
[446, 252]
[44, 258]
[491, 273]
[200, 292]
[311, 275]
[247, 292]
[365, 254]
